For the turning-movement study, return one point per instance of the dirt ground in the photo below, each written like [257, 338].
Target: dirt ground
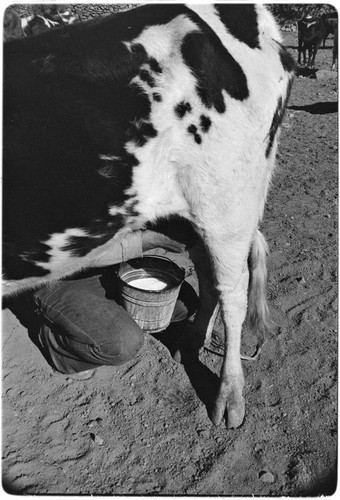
[143, 428]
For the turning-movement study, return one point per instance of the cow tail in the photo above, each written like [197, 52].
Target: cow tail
[258, 311]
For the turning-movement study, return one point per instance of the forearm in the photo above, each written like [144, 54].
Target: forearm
[129, 247]
[133, 245]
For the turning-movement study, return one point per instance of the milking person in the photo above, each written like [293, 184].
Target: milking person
[83, 327]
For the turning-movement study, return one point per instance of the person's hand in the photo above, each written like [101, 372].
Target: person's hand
[152, 239]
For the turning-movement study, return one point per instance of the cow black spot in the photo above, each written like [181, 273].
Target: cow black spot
[154, 65]
[192, 129]
[287, 60]
[140, 132]
[99, 232]
[137, 50]
[131, 210]
[138, 138]
[205, 123]
[157, 97]
[129, 162]
[16, 268]
[79, 246]
[147, 129]
[277, 118]
[176, 228]
[38, 253]
[182, 108]
[241, 22]
[214, 69]
[146, 77]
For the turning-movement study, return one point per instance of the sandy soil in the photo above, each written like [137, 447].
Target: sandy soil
[143, 428]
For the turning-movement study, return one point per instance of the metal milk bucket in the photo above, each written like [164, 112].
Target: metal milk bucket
[152, 309]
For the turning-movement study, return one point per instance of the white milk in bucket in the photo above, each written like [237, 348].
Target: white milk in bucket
[148, 289]
[149, 283]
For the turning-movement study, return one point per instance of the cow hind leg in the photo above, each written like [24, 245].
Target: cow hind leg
[227, 225]
[304, 56]
[234, 308]
[232, 277]
[208, 305]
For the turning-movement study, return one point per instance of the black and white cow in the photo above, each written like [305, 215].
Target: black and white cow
[306, 26]
[312, 31]
[156, 111]
[331, 21]
[49, 16]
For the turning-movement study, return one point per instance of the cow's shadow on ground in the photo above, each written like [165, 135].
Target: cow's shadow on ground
[318, 108]
[306, 72]
[176, 338]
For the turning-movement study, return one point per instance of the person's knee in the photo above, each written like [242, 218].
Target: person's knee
[124, 346]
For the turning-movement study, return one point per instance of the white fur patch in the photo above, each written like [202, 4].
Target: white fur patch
[114, 210]
[162, 41]
[155, 182]
[108, 157]
[57, 242]
[229, 166]
[62, 263]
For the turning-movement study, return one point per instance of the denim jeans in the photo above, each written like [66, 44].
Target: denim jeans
[84, 327]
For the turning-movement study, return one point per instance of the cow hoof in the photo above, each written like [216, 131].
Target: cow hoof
[217, 414]
[236, 411]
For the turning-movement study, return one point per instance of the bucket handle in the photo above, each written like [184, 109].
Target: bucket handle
[185, 274]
